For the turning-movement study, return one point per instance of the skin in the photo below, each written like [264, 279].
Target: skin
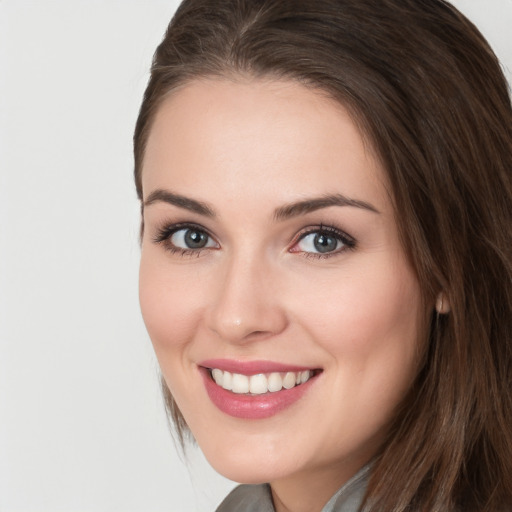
[260, 292]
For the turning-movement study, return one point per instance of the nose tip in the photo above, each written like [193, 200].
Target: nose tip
[246, 307]
[240, 330]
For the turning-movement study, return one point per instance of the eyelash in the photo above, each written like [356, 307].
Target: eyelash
[349, 243]
[165, 233]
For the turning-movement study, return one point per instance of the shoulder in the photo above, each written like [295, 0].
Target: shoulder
[249, 498]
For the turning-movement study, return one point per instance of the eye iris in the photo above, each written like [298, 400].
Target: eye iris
[195, 239]
[325, 243]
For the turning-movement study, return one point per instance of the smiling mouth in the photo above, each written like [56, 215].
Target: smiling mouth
[260, 383]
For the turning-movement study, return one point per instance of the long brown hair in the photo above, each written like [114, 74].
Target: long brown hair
[429, 95]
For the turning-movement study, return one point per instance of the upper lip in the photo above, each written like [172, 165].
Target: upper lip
[251, 367]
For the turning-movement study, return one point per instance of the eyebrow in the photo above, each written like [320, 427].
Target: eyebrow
[282, 213]
[313, 204]
[180, 201]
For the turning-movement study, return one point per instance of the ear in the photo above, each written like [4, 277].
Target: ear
[442, 304]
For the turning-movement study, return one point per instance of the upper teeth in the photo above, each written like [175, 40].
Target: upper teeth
[260, 383]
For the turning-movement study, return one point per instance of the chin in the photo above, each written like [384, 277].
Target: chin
[244, 466]
[243, 474]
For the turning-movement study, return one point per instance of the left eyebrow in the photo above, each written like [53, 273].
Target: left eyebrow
[317, 203]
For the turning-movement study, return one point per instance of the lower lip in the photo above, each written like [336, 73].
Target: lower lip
[253, 407]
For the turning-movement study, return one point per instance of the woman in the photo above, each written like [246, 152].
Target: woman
[326, 251]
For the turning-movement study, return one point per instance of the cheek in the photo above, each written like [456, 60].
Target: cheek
[361, 315]
[170, 305]
[371, 325]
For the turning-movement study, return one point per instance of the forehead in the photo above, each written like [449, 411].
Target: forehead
[238, 135]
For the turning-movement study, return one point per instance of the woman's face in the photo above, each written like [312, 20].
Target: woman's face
[271, 256]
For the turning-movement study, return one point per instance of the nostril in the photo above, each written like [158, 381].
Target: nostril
[241, 317]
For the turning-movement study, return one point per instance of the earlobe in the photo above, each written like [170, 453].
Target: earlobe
[442, 304]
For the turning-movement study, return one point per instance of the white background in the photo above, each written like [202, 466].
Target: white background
[81, 421]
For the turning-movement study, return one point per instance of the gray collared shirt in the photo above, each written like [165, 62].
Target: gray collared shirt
[258, 498]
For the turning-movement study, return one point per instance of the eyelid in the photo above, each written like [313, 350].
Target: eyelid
[349, 242]
[167, 230]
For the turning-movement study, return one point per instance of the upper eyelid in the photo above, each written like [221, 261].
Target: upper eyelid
[165, 230]
[324, 229]
[171, 228]
[348, 241]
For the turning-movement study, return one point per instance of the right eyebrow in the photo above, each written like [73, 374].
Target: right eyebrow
[165, 196]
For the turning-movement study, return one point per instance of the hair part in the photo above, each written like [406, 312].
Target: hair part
[428, 93]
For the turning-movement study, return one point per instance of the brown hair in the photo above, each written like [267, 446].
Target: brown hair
[429, 94]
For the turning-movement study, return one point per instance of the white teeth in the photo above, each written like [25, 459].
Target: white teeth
[260, 383]
[227, 380]
[275, 382]
[289, 380]
[240, 383]
[217, 376]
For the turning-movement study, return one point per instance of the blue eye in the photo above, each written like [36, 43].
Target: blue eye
[319, 242]
[325, 241]
[185, 239]
[191, 238]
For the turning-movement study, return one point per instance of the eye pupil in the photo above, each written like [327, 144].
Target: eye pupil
[195, 239]
[325, 243]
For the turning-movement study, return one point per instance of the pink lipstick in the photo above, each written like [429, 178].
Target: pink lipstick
[255, 389]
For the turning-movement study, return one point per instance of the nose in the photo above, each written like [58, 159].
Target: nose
[246, 303]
